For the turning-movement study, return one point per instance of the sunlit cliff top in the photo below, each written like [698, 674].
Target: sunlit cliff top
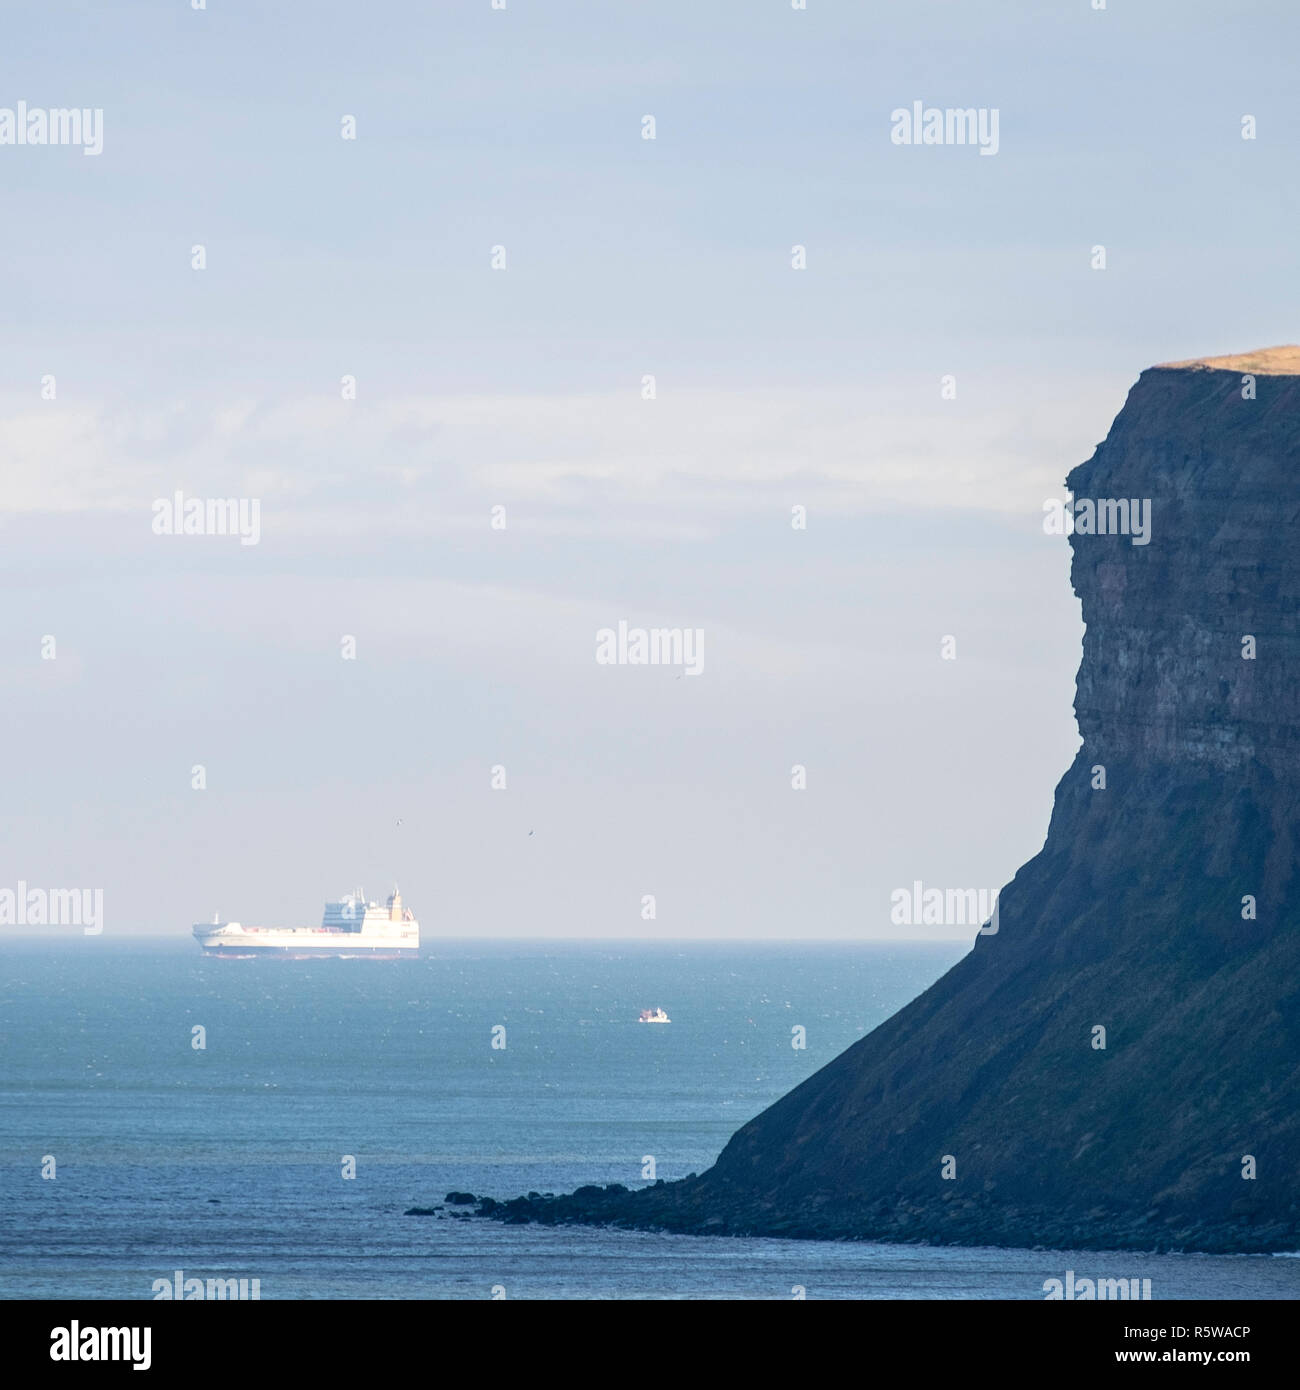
[1274, 361]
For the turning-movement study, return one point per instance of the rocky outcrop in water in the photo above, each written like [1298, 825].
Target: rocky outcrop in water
[1163, 908]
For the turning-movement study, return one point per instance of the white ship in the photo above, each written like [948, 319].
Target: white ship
[653, 1016]
[351, 926]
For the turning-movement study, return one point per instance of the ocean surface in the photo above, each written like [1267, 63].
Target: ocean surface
[227, 1161]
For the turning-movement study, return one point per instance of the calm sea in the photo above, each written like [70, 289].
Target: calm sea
[227, 1161]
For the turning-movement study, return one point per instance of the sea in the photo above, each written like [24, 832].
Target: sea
[161, 1111]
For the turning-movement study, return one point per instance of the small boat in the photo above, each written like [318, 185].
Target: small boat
[654, 1016]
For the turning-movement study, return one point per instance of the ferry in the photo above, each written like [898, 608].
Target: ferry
[350, 928]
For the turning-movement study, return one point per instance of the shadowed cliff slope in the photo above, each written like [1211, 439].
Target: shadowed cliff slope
[1131, 918]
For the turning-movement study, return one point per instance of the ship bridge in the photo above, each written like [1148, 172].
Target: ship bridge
[353, 913]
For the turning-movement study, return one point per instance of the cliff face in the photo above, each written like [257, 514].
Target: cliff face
[1129, 919]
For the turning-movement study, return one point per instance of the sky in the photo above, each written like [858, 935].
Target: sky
[127, 375]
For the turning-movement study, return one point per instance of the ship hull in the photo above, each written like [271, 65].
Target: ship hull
[307, 943]
[297, 953]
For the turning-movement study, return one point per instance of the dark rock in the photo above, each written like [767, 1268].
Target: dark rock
[1130, 917]
[460, 1199]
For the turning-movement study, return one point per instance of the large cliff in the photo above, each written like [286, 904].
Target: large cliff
[1135, 917]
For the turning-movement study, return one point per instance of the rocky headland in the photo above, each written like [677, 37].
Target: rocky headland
[1164, 908]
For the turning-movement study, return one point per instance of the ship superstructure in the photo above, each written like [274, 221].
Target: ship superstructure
[351, 926]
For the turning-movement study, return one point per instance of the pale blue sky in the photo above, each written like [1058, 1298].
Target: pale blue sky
[475, 388]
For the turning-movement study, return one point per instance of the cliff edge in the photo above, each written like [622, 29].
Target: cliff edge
[1163, 908]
